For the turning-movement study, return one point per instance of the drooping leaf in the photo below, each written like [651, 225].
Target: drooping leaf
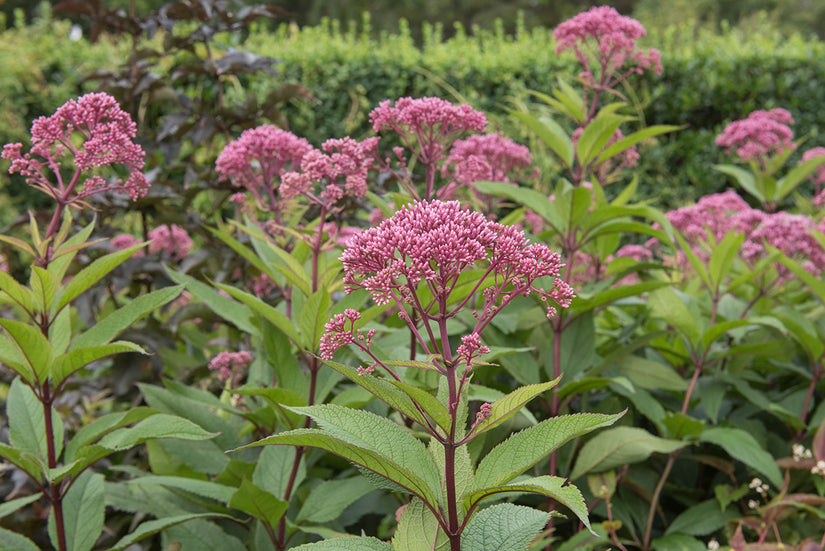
[258, 503]
[156, 426]
[104, 424]
[328, 500]
[504, 527]
[205, 488]
[620, 446]
[524, 449]
[13, 505]
[83, 513]
[152, 527]
[742, 446]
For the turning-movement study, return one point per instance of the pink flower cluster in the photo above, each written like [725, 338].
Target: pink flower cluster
[488, 157]
[601, 33]
[259, 157]
[105, 135]
[714, 216]
[342, 164]
[761, 135]
[124, 241]
[172, 241]
[340, 331]
[230, 364]
[434, 242]
[818, 177]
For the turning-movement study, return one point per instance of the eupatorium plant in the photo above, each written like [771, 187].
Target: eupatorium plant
[434, 260]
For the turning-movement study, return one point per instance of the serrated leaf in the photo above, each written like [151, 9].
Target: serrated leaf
[507, 406]
[93, 273]
[504, 527]
[595, 135]
[121, 319]
[620, 446]
[44, 287]
[25, 461]
[156, 426]
[152, 527]
[83, 512]
[418, 530]
[328, 500]
[274, 467]
[18, 293]
[258, 503]
[524, 449]
[346, 543]
[11, 356]
[548, 486]
[743, 447]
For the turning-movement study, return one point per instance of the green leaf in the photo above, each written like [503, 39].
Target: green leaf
[83, 513]
[524, 449]
[548, 486]
[152, 527]
[18, 293]
[743, 447]
[258, 503]
[121, 319]
[796, 176]
[527, 197]
[361, 455]
[156, 426]
[702, 519]
[274, 468]
[278, 398]
[678, 542]
[814, 282]
[346, 543]
[11, 356]
[34, 348]
[578, 348]
[107, 423]
[719, 329]
[595, 135]
[620, 446]
[745, 180]
[68, 363]
[395, 397]
[507, 406]
[418, 530]
[651, 374]
[550, 133]
[12, 506]
[93, 273]
[269, 313]
[314, 314]
[25, 461]
[667, 305]
[205, 488]
[44, 287]
[722, 257]
[629, 141]
[27, 424]
[697, 263]
[504, 527]
[237, 314]
[12, 541]
[328, 500]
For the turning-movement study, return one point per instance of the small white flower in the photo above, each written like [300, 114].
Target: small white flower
[76, 33]
[755, 483]
[753, 504]
[713, 545]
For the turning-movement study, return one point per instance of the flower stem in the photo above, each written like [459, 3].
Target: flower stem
[53, 496]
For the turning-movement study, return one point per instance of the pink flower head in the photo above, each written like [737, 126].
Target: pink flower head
[487, 157]
[471, 347]
[259, 157]
[762, 134]
[172, 241]
[342, 166]
[790, 233]
[818, 177]
[124, 241]
[434, 242]
[340, 331]
[427, 127]
[94, 132]
[230, 365]
[609, 38]
[4, 265]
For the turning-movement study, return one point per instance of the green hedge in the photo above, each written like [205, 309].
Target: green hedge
[708, 80]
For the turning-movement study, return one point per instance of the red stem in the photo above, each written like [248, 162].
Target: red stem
[54, 489]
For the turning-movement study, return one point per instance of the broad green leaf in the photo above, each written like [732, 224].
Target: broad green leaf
[571, 99]
[814, 282]
[507, 406]
[25, 461]
[328, 500]
[19, 244]
[722, 257]
[121, 319]
[743, 447]
[697, 263]
[274, 468]
[702, 519]
[156, 426]
[83, 512]
[667, 305]
[251, 256]
[11, 356]
[418, 530]
[12, 541]
[278, 398]
[102, 425]
[269, 313]
[595, 135]
[548, 486]
[395, 397]
[651, 374]
[230, 310]
[68, 363]
[632, 139]
[314, 314]
[93, 273]
[12, 506]
[527, 197]
[18, 293]
[577, 348]
[258, 503]
[796, 176]
[27, 424]
[504, 527]
[620, 446]
[346, 543]
[586, 303]
[205, 488]
[745, 180]
[44, 287]
[678, 542]
[33, 346]
[550, 133]
[152, 527]
[719, 329]
[361, 455]
[524, 449]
